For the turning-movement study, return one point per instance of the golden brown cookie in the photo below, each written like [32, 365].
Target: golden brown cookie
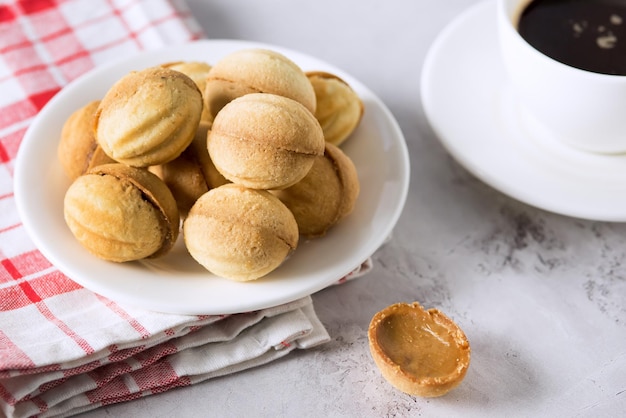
[420, 352]
[183, 175]
[239, 233]
[256, 71]
[78, 150]
[148, 117]
[121, 213]
[197, 71]
[191, 174]
[200, 150]
[265, 141]
[326, 195]
[339, 109]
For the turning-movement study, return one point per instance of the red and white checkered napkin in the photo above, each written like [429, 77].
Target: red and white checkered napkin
[64, 349]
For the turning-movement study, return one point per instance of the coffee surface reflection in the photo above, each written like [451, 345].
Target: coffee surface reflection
[586, 34]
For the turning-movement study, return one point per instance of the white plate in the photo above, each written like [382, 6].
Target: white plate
[176, 283]
[472, 109]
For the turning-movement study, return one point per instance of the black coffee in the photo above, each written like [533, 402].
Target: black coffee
[586, 34]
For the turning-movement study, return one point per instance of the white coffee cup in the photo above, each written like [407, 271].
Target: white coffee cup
[584, 109]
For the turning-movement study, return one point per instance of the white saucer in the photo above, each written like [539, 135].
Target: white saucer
[472, 109]
[176, 283]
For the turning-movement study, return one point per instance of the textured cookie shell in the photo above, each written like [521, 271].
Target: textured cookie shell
[265, 141]
[238, 233]
[256, 70]
[148, 117]
[198, 72]
[339, 109]
[121, 213]
[184, 175]
[420, 352]
[201, 155]
[326, 195]
[78, 150]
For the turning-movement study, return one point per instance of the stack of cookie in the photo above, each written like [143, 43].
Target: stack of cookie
[246, 152]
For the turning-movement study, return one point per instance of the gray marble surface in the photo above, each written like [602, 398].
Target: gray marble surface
[541, 297]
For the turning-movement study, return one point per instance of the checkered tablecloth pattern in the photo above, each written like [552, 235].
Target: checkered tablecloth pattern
[63, 348]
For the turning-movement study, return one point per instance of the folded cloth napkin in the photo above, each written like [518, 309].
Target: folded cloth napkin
[63, 349]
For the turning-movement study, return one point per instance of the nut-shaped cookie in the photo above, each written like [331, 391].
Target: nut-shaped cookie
[198, 72]
[122, 213]
[148, 117]
[212, 176]
[339, 109]
[238, 233]
[325, 196]
[265, 141]
[420, 352]
[256, 70]
[191, 174]
[78, 150]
